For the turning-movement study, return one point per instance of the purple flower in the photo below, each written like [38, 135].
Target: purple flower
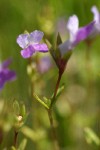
[5, 73]
[44, 64]
[96, 29]
[30, 43]
[76, 34]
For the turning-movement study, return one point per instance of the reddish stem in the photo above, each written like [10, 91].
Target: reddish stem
[56, 89]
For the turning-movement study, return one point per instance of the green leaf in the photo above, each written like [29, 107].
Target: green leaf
[23, 110]
[91, 136]
[31, 134]
[16, 107]
[13, 148]
[48, 43]
[46, 101]
[60, 90]
[42, 102]
[22, 144]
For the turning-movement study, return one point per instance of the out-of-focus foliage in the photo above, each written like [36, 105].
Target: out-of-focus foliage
[78, 107]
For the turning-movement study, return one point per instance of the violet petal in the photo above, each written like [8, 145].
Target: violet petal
[96, 14]
[96, 19]
[83, 33]
[35, 36]
[27, 52]
[72, 26]
[6, 63]
[41, 47]
[9, 75]
[2, 80]
[22, 40]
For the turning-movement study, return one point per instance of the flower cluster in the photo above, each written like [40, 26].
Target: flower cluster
[5, 73]
[30, 43]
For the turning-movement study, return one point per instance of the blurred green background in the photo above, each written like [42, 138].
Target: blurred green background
[79, 105]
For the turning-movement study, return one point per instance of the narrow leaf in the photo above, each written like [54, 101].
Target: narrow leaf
[60, 90]
[22, 144]
[16, 107]
[39, 100]
[23, 110]
[13, 148]
[91, 136]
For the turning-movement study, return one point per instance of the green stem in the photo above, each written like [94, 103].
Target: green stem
[54, 136]
[53, 131]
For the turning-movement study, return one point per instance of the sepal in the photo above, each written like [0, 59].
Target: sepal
[59, 40]
[57, 53]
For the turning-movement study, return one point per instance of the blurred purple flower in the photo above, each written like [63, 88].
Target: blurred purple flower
[31, 43]
[96, 29]
[44, 64]
[5, 73]
[76, 34]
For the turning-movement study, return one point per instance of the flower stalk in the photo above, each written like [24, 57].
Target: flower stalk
[56, 89]
[54, 135]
